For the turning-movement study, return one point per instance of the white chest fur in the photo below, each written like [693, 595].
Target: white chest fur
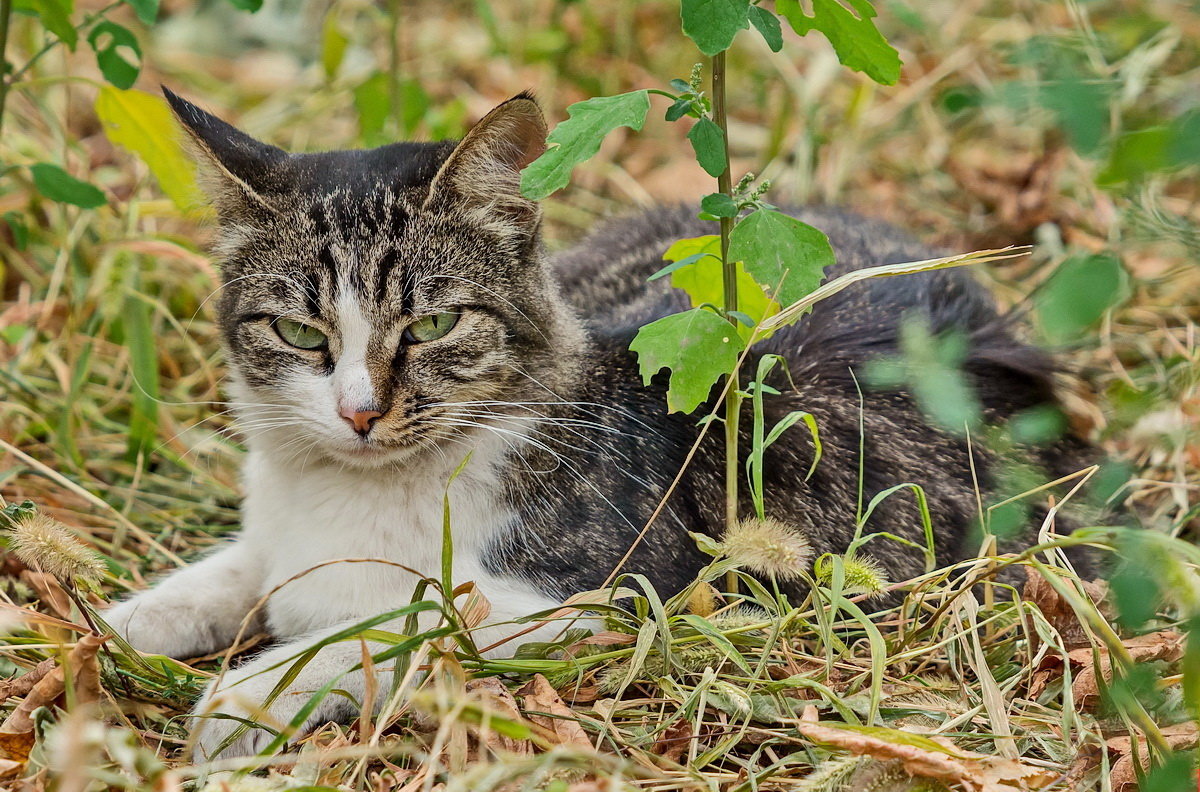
[299, 519]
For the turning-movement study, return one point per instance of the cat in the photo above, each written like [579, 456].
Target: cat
[384, 312]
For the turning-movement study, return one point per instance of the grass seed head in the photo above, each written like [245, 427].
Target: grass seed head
[47, 544]
[768, 547]
[863, 574]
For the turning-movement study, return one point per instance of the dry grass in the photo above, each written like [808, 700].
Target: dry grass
[662, 700]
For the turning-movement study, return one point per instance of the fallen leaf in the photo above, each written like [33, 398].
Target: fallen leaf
[673, 743]
[546, 708]
[499, 700]
[20, 686]
[1123, 776]
[927, 756]
[1164, 645]
[16, 733]
[49, 592]
[1058, 611]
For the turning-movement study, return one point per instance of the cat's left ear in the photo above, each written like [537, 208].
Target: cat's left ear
[483, 174]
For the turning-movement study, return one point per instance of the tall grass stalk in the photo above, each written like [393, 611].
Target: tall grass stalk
[729, 275]
[5, 16]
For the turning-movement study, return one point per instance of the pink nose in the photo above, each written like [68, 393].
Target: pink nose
[361, 420]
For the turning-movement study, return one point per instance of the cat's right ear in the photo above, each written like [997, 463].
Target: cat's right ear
[242, 176]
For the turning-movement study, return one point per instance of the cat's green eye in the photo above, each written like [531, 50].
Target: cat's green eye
[430, 328]
[299, 335]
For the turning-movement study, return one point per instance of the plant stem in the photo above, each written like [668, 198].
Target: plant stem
[729, 272]
[5, 16]
[395, 7]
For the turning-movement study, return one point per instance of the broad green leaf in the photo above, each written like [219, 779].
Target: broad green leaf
[56, 184]
[146, 10]
[698, 347]
[719, 205]
[56, 17]
[1081, 107]
[768, 25]
[857, 42]
[1184, 148]
[708, 141]
[415, 107]
[1136, 155]
[113, 45]
[702, 280]
[578, 139]
[712, 24]
[333, 46]
[787, 257]
[247, 5]
[373, 103]
[143, 123]
[1078, 294]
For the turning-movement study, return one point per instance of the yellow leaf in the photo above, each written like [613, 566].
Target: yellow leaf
[143, 124]
[703, 281]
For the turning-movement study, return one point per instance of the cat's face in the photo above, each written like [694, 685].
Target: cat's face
[378, 304]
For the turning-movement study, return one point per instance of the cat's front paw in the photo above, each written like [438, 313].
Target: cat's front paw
[156, 627]
[221, 721]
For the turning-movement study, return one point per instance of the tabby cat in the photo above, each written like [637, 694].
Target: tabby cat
[385, 312]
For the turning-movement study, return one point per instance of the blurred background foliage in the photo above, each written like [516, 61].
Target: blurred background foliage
[1070, 125]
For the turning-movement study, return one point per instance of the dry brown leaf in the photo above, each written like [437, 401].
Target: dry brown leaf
[1057, 610]
[1123, 776]
[21, 685]
[9, 768]
[1164, 645]
[539, 696]
[499, 700]
[49, 592]
[673, 743]
[951, 765]
[16, 733]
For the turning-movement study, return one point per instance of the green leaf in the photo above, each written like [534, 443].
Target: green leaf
[112, 44]
[143, 123]
[719, 205]
[578, 139]
[712, 24]
[678, 109]
[686, 261]
[247, 5]
[1136, 155]
[784, 255]
[1081, 108]
[857, 42]
[1176, 774]
[56, 184]
[703, 281]
[146, 10]
[1184, 148]
[20, 231]
[56, 17]
[333, 46]
[1078, 294]
[373, 103]
[698, 347]
[768, 25]
[709, 144]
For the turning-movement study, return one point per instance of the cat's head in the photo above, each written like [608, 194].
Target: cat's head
[377, 303]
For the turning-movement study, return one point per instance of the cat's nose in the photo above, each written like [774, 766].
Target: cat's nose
[361, 420]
